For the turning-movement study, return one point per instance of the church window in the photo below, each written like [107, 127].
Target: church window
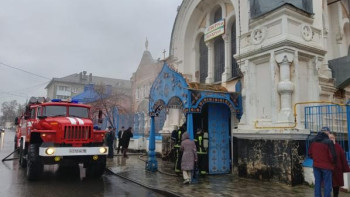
[219, 58]
[137, 93]
[203, 60]
[217, 15]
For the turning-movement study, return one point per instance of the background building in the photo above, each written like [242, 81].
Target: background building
[141, 81]
[71, 85]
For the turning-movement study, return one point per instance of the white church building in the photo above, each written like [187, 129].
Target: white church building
[284, 56]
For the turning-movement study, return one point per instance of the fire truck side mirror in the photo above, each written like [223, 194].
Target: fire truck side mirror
[42, 117]
[16, 121]
[26, 117]
[100, 116]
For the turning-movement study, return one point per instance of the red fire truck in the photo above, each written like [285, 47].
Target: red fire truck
[59, 132]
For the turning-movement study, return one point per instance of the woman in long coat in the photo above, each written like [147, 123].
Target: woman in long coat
[189, 156]
[340, 167]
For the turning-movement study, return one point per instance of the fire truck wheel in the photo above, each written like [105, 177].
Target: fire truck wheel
[22, 159]
[34, 164]
[95, 169]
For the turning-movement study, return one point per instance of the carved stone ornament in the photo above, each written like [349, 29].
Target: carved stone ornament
[258, 35]
[306, 32]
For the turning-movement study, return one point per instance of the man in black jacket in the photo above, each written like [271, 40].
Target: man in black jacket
[120, 133]
[127, 134]
[110, 140]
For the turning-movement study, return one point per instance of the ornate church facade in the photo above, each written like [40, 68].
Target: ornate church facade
[276, 56]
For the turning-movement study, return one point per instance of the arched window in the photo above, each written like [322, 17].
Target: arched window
[235, 68]
[219, 58]
[217, 15]
[203, 60]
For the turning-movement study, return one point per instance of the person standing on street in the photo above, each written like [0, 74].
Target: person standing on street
[110, 140]
[127, 134]
[341, 167]
[189, 157]
[324, 157]
[120, 134]
[176, 137]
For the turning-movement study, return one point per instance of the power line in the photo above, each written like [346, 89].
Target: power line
[26, 88]
[17, 93]
[24, 71]
[12, 94]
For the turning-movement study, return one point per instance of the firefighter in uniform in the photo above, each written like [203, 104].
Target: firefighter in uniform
[201, 140]
[176, 137]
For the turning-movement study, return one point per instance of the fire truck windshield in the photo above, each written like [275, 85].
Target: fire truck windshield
[80, 112]
[52, 111]
[55, 111]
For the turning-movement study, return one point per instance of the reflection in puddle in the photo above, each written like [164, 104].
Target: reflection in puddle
[2, 136]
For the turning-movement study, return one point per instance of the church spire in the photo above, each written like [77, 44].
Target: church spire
[146, 44]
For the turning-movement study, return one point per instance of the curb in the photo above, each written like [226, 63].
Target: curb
[163, 192]
[160, 171]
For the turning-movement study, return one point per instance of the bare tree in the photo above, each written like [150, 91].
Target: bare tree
[9, 111]
[20, 109]
[108, 99]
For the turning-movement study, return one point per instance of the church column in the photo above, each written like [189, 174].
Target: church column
[190, 125]
[151, 164]
[228, 58]
[285, 87]
[211, 66]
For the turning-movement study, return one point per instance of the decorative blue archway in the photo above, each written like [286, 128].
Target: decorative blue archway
[169, 85]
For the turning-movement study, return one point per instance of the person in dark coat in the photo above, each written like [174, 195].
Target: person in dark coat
[120, 133]
[201, 151]
[189, 157]
[110, 140]
[125, 137]
[324, 157]
[341, 167]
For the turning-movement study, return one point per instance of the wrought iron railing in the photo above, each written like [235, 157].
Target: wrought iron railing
[336, 117]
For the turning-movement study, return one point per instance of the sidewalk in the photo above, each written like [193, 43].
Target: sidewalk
[133, 168]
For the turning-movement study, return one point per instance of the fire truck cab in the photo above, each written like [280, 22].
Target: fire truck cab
[59, 132]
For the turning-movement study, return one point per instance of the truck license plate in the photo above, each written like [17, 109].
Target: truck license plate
[74, 150]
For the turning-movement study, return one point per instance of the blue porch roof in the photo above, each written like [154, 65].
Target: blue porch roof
[171, 87]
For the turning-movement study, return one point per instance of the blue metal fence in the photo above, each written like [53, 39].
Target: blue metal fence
[336, 117]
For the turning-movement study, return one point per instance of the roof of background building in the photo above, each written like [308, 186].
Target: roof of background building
[90, 79]
[147, 58]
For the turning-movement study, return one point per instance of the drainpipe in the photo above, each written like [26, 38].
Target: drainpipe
[348, 120]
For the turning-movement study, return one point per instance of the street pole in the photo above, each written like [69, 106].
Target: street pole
[152, 164]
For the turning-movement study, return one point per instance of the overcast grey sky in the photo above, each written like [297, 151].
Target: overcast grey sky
[56, 38]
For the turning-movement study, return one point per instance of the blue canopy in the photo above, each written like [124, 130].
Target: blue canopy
[90, 95]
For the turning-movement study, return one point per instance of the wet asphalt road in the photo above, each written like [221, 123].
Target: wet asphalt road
[59, 181]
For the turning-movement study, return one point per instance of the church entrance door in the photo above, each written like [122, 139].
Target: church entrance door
[219, 138]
